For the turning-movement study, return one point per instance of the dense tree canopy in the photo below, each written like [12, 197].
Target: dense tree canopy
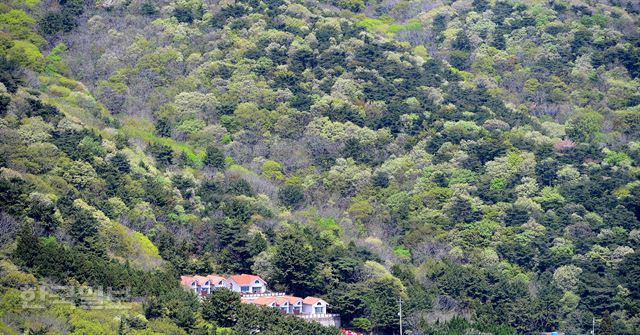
[477, 159]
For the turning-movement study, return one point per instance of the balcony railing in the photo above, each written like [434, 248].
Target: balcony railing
[318, 316]
[258, 295]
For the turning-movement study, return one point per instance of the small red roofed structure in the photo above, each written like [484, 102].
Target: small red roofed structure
[253, 290]
[313, 305]
[261, 301]
[247, 284]
[202, 285]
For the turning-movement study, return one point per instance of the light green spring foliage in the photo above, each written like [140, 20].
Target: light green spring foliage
[387, 25]
[515, 155]
[26, 54]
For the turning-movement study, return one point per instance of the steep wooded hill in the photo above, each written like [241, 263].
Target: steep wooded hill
[478, 159]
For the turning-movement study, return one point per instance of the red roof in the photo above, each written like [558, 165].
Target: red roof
[215, 279]
[186, 280]
[245, 279]
[200, 279]
[264, 301]
[290, 299]
[312, 300]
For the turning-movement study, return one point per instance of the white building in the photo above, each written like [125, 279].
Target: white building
[254, 291]
[313, 305]
[202, 285]
[247, 284]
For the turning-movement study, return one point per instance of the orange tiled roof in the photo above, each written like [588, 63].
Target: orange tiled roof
[186, 280]
[215, 279]
[290, 299]
[245, 279]
[264, 301]
[200, 279]
[311, 300]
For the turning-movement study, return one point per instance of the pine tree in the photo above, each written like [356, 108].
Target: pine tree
[296, 263]
[606, 324]
[214, 158]
[221, 307]
[28, 248]
[84, 231]
[462, 42]
[235, 246]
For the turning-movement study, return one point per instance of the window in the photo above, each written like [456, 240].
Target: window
[256, 289]
[244, 288]
[319, 310]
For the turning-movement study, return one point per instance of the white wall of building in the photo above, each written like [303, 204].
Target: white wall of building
[258, 286]
[311, 309]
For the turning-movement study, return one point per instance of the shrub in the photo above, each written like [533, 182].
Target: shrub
[10, 74]
[291, 195]
[183, 15]
[221, 307]
[214, 158]
[26, 54]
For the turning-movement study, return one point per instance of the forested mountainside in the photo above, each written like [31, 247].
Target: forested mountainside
[477, 159]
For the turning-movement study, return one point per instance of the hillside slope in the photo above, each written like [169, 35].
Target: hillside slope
[478, 159]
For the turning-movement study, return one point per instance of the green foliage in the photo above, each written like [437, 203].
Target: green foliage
[162, 153]
[381, 302]
[16, 17]
[214, 158]
[362, 324]
[62, 21]
[53, 23]
[183, 15]
[13, 195]
[236, 247]
[291, 195]
[272, 170]
[296, 263]
[387, 25]
[28, 248]
[477, 152]
[178, 305]
[269, 321]
[10, 74]
[460, 326]
[221, 306]
[147, 8]
[402, 252]
[26, 54]
[352, 5]
[585, 126]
